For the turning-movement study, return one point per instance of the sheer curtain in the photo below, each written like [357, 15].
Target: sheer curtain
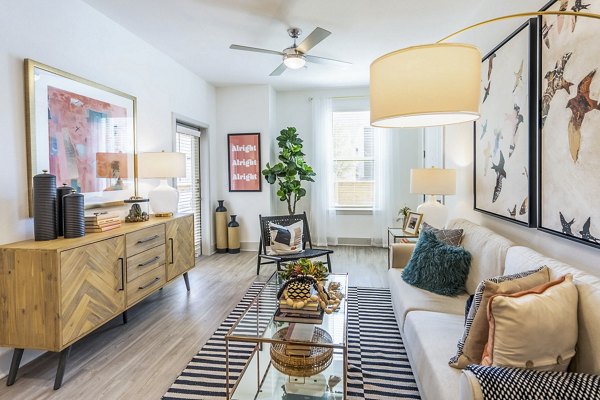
[322, 215]
[393, 158]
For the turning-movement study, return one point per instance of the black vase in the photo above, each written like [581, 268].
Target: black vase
[221, 227]
[233, 235]
[74, 220]
[44, 207]
[60, 193]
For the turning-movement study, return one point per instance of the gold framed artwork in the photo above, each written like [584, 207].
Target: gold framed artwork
[413, 223]
[82, 132]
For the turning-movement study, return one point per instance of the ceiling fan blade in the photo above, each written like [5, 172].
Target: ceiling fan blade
[279, 70]
[313, 39]
[328, 61]
[254, 49]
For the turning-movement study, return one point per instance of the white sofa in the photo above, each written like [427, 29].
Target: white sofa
[431, 325]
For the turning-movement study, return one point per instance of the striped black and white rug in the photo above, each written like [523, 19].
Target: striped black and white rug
[378, 364]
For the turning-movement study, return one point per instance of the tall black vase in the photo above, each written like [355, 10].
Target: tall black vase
[44, 207]
[221, 227]
[60, 193]
[73, 215]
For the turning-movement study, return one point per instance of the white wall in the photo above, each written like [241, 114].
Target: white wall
[243, 109]
[72, 36]
[295, 109]
[459, 155]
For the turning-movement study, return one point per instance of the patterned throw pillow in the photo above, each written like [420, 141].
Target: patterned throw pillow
[472, 343]
[437, 267]
[286, 239]
[452, 237]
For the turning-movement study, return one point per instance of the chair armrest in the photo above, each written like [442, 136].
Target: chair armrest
[469, 388]
[400, 254]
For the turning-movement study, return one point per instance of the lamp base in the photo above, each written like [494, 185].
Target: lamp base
[163, 199]
[434, 213]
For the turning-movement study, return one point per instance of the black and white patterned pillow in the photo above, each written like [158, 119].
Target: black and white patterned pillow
[525, 384]
[286, 239]
[453, 237]
[476, 302]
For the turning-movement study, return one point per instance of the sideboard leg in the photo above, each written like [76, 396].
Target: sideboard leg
[62, 364]
[14, 366]
[124, 315]
[187, 281]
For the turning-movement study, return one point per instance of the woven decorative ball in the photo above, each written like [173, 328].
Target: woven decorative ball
[298, 290]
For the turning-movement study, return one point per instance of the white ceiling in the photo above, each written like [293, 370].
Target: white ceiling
[197, 33]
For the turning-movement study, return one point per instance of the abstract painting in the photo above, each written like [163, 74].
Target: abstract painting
[244, 162]
[570, 122]
[81, 132]
[504, 136]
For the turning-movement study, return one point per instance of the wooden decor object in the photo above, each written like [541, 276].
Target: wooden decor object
[58, 291]
[221, 227]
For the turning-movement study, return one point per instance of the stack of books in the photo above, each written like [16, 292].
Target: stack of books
[102, 222]
[311, 313]
[301, 333]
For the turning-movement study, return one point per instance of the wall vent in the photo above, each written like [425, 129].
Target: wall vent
[354, 241]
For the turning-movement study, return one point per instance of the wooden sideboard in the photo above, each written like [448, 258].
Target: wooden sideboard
[53, 293]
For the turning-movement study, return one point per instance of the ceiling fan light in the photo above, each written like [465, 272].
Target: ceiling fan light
[294, 61]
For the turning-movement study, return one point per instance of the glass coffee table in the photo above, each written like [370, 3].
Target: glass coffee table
[256, 329]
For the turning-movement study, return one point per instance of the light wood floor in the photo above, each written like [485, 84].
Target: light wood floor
[141, 359]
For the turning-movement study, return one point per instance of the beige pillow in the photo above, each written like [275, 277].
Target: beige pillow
[535, 329]
[475, 336]
[286, 239]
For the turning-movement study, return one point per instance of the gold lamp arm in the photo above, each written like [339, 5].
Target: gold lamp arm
[519, 15]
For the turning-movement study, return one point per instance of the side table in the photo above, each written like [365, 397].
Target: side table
[398, 233]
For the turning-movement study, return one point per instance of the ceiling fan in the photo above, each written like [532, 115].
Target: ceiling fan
[295, 57]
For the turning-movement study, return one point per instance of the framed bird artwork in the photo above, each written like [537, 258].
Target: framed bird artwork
[569, 139]
[505, 135]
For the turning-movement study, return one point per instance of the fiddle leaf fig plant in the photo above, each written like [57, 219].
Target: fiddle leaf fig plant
[291, 169]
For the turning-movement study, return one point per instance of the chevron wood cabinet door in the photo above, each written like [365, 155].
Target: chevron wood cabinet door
[180, 246]
[92, 286]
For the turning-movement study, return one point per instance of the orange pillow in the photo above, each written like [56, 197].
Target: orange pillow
[535, 328]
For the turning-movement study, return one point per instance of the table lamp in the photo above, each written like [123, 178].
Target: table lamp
[162, 165]
[431, 182]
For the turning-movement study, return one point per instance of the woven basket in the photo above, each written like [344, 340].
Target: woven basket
[303, 366]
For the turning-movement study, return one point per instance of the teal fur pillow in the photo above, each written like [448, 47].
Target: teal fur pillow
[437, 267]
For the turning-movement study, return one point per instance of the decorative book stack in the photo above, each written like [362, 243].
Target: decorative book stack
[299, 333]
[102, 222]
[310, 313]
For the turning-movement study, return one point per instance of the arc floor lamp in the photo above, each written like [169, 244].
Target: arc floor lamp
[433, 84]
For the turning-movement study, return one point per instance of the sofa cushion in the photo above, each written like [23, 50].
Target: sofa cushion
[535, 328]
[437, 266]
[488, 251]
[587, 359]
[408, 298]
[448, 236]
[472, 343]
[429, 338]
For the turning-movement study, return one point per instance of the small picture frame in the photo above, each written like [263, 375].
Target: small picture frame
[413, 223]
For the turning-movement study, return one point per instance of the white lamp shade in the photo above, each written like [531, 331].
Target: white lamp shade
[161, 165]
[294, 61]
[433, 181]
[430, 85]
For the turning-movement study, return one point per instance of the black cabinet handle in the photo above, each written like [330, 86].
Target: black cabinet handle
[172, 251]
[147, 285]
[151, 238]
[122, 273]
[150, 261]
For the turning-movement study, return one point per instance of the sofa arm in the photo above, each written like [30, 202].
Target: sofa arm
[400, 254]
[469, 387]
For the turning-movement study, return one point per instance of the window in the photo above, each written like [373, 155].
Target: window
[353, 151]
[188, 142]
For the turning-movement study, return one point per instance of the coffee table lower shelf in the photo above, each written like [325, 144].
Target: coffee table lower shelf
[262, 381]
